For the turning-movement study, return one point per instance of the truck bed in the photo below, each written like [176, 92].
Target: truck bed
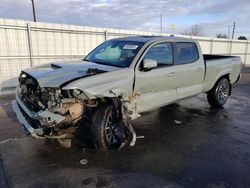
[215, 57]
[219, 65]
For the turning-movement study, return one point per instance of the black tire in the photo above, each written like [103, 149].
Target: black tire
[102, 127]
[219, 94]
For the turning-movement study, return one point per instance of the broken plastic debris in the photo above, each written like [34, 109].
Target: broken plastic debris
[177, 122]
[139, 137]
[121, 146]
[84, 161]
[132, 131]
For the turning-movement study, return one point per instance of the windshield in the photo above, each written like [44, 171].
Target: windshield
[115, 53]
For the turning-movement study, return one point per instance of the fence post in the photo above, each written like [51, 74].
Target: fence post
[30, 44]
[227, 46]
[211, 46]
[231, 46]
[105, 35]
[246, 49]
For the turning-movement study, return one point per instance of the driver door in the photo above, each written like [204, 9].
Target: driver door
[157, 86]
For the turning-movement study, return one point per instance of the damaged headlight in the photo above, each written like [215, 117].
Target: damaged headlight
[77, 92]
[23, 75]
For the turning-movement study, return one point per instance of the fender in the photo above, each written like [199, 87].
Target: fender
[221, 74]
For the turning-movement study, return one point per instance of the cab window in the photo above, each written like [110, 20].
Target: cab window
[162, 53]
[186, 52]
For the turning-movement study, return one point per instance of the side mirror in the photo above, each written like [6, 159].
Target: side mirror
[149, 64]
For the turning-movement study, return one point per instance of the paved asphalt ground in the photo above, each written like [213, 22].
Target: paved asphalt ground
[205, 147]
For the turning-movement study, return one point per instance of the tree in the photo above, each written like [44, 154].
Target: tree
[194, 30]
[242, 38]
[221, 35]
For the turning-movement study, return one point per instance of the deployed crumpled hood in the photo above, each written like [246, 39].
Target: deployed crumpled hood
[62, 73]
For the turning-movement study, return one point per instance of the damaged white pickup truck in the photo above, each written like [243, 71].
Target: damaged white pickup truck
[115, 83]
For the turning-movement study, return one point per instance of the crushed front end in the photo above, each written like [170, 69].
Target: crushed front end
[48, 112]
[54, 112]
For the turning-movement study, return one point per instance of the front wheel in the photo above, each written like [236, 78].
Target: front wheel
[219, 94]
[103, 128]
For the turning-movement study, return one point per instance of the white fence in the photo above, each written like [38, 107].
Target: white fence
[24, 44]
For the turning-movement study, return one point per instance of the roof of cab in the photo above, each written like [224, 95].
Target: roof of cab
[145, 39]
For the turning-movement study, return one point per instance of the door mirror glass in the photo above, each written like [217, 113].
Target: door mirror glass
[149, 64]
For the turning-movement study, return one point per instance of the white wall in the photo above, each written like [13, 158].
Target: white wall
[56, 42]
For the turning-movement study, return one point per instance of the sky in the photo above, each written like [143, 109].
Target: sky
[213, 16]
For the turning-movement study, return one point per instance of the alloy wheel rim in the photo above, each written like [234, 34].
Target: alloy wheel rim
[223, 92]
[109, 128]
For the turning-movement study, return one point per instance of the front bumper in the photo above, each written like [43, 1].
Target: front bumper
[37, 133]
[26, 117]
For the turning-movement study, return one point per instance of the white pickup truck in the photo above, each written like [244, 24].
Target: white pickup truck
[117, 81]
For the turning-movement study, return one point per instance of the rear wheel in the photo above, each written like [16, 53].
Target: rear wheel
[219, 94]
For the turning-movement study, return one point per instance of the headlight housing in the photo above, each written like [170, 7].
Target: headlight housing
[23, 75]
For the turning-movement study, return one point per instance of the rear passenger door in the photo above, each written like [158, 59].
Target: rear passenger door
[189, 69]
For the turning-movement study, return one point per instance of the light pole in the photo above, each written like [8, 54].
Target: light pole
[34, 11]
[233, 31]
[228, 31]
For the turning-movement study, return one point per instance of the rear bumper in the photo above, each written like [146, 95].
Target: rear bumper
[27, 119]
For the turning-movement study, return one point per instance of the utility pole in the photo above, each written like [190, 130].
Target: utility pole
[233, 31]
[161, 23]
[228, 31]
[34, 11]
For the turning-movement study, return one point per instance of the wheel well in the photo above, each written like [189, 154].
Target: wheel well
[225, 76]
[114, 101]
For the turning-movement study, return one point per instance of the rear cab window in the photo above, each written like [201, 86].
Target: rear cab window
[186, 52]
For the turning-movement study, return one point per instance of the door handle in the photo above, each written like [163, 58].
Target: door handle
[171, 74]
[199, 69]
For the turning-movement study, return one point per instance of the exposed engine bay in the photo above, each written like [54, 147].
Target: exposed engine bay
[52, 101]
